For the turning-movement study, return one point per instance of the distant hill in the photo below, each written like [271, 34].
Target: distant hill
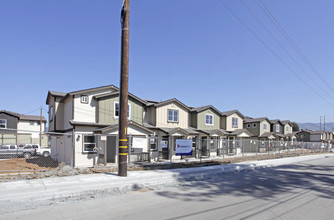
[316, 126]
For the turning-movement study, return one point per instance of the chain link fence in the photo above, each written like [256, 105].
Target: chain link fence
[35, 151]
[22, 150]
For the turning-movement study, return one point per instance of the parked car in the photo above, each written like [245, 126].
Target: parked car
[11, 150]
[42, 151]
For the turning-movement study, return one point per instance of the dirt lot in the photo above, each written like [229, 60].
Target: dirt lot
[20, 168]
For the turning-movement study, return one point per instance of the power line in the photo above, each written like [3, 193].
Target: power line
[281, 46]
[291, 42]
[275, 54]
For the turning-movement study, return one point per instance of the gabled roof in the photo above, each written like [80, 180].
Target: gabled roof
[311, 131]
[117, 93]
[250, 120]
[171, 101]
[23, 117]
[285, 122]
[203, 108]
[240, 131]
[268, 134]
[219, 132]
[235, 111]
[65, 95]
[171, 131]
[274, 121]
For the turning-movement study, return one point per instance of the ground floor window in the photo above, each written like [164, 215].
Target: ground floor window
[89, 143]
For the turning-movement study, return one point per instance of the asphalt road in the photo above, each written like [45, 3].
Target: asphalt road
[298, 191]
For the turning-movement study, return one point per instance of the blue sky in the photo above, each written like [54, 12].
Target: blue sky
[193, 50]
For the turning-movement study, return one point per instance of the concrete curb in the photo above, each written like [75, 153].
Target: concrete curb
[29, 194]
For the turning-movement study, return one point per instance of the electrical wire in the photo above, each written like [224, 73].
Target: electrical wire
[273, 52]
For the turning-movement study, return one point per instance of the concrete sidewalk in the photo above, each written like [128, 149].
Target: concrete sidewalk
[28, 194]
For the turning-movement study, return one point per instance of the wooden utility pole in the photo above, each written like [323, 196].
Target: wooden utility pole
[40, 129]
[123, 95]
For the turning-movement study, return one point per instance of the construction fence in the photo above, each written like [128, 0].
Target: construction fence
[45, 150]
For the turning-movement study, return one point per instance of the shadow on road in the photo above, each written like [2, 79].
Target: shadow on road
[264, 183]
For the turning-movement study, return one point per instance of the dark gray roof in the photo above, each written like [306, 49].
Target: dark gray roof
[274, 121]
[267, 134]
[200, 109]
[24, 117]
[228, 113]
[171, 101]
[311, 131]
[60, 94]
[240, 131]
[284, 122]
[117, 93]
[249, 120]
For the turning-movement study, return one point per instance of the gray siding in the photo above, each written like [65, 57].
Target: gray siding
[11, 120]
[223, 122]
[253, 130]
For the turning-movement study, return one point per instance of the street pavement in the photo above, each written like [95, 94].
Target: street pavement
[258, 189]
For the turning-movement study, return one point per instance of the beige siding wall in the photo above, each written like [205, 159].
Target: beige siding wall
[162, 117]
[261, 127]
[26, 126]
[201, 120]
[107, 106]
[289, 127]
[229, 122]
[85, 112]
[223, 122]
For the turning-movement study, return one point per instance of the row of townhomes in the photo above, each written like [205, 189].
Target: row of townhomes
[91, 115]
[21, 128]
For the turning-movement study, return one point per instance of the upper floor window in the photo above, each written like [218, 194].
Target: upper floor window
[265, 126]
[84, 99]
[277, 127]
[173, 115]
[248, 125]
[116, 110]
[208, 119]
[3, 123]
[287, 129]
[234, 122]
[31, 122]
[254, 125]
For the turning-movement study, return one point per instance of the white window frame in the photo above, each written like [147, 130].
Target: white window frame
[173, 115]
[210, 119]
[277, 127]
[129, 110]
[233, 124]
[84, 143]
[3, 123]
[287, 129]
[84, 99]
[265, 127]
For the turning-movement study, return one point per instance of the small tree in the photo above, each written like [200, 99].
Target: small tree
[295, 126]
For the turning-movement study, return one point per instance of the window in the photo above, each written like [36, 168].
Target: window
[277, 127]
[84, 99]
[248, 125]
[265, 126]
[254, 125]
[12, 147]
[173, 115]
[31, 122]
[3, 123]
[287, 129]
[89, 143]
[209, 119]
[234, 122]
[116, 110]
[153, 143]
